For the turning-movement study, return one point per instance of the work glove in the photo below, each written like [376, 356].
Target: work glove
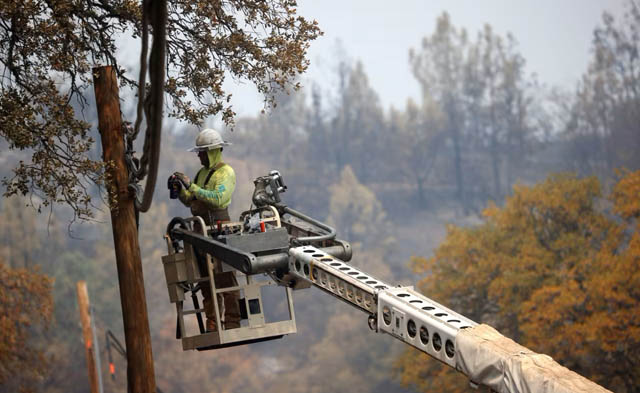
[184, 179]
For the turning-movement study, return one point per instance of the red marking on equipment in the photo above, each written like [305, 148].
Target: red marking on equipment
[89, 344]
[262, 227]
[112, 368]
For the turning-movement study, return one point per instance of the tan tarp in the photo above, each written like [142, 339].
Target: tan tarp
[491, 359]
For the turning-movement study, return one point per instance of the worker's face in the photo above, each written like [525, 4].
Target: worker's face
[204, 158]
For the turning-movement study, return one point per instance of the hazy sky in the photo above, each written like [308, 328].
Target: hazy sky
[554, 38]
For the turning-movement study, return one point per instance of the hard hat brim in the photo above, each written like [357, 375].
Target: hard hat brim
[209, 147]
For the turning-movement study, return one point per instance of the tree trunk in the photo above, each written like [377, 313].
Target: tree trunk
[421, 198]
[140, 373]
[495, 165]
[457, 157]
[511, 162]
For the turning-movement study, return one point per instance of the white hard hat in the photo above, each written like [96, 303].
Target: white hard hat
[209, 139]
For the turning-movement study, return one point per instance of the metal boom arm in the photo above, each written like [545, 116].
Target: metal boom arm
[478, 351]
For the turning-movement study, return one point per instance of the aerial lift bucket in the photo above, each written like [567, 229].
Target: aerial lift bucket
[184, 278]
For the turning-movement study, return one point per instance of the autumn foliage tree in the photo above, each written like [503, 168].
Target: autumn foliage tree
[26, 306]
[556, 269]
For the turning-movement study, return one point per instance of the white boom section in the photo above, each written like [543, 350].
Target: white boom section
[401, 312]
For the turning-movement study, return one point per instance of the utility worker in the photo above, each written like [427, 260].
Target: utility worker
[209, 196]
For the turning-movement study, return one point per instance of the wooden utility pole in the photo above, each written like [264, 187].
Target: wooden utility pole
[140, 373]
[88, 333]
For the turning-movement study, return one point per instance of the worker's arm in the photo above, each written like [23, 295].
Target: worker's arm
[218, 190]
[186, 197]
